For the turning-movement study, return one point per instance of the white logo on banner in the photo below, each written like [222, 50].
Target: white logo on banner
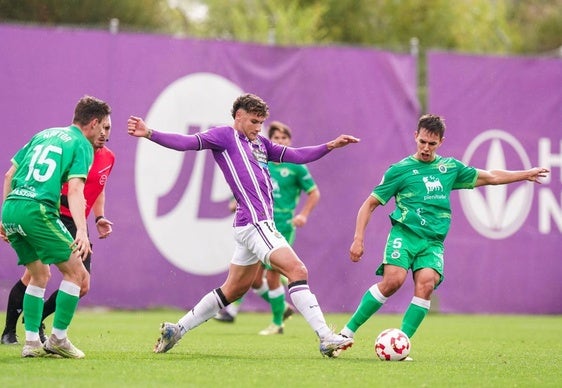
[170, 184]
[490, 210]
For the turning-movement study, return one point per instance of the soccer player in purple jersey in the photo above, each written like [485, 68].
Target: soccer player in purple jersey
[242, 154]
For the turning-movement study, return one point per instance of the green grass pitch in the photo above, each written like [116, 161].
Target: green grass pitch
[448, 351]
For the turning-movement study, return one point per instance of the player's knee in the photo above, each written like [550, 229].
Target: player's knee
[40, 274]
[390, 285]
[299, 272]
[302, 271]
[425, 289]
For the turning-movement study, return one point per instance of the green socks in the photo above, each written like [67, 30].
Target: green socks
[33, 308]
[277, 302]
[67, 301]
[414, 315]
[263, 291]
[371, 302]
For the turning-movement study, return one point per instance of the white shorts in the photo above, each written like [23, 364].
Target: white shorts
[255, 242]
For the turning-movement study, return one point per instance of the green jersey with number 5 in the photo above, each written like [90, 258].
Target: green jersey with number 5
[422, 193]
[52, 157]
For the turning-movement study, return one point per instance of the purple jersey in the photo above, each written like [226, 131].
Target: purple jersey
[244, 165]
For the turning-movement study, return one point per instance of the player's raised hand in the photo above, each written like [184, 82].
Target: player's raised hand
[137, 127]
[537, 173]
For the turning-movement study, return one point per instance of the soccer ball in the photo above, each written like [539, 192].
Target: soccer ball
[392, 345]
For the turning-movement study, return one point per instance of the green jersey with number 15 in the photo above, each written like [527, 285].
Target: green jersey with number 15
[422, 193]
[52, 157]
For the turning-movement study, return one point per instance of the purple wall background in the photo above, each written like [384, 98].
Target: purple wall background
[522, 96]
[321, 92]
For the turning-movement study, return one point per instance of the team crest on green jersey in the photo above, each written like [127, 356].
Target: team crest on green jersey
[432, 184]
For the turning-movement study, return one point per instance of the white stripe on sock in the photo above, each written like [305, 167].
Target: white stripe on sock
[35, 291]
[421, 302]
[374, 290]
[69, 288]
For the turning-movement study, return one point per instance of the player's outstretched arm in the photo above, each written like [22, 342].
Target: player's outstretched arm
[342, 141]
[303, 155]
[502, 177]
[176, 141]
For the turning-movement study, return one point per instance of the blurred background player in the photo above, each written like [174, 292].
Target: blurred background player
[31, 220]
[94, 193]
[289, 181]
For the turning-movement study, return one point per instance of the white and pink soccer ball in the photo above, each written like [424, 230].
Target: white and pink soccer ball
[392, 345]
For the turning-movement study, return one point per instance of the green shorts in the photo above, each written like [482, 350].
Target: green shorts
[287, 229]
[36, 232]
[408, 250]
[285, 226]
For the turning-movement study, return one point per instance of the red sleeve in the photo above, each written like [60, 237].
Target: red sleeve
[102, 165]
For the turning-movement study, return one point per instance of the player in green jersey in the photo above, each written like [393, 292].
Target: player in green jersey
[421, 185]
[31, 223]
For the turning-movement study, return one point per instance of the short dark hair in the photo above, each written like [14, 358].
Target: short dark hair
[432, 124]
[275, 126]
[251, 104]
[89, 108]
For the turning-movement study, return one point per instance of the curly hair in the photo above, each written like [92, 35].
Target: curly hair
[251, 104]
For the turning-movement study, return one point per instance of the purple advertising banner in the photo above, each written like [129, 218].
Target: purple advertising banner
[503, 253]
[172, 238]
